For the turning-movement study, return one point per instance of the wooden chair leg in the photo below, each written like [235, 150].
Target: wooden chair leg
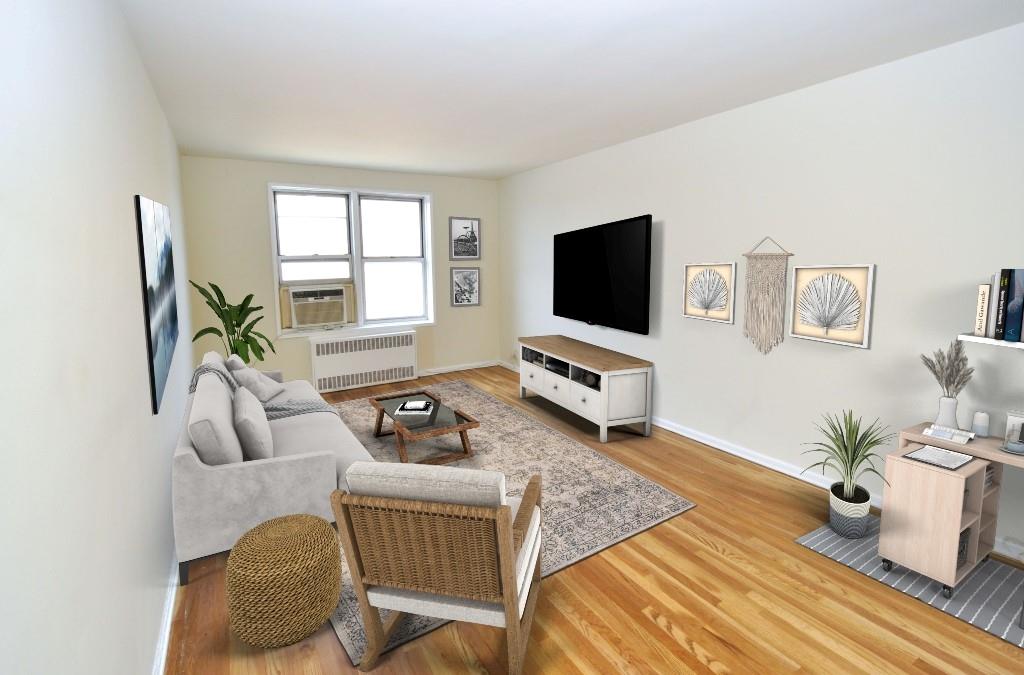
[377, 635]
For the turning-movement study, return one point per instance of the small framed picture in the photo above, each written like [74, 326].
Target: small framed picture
[463, 238]
[465, 286]
[710, 292]
[832, 303]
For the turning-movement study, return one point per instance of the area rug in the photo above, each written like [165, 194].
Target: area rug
[589, 501]
[989, 598]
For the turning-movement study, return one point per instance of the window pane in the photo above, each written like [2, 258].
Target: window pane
[315, 270]
[310, 224]
[391, 228]
[394, 290]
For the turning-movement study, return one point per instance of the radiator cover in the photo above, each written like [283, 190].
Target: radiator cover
[359, 361]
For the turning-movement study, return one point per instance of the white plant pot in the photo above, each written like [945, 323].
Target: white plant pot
[947, 413]
[849, 519]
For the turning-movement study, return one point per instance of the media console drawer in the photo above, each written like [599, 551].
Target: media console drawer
[603, 386]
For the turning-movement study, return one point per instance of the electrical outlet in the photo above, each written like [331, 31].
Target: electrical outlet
[1014, 423]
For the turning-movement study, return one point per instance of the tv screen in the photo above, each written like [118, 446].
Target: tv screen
[603, 274]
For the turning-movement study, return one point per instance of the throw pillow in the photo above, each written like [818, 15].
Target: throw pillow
[258, 383]
[252, 426]
[234, 362]
[211, 425]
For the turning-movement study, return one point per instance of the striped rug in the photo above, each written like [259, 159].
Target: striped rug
[989, 598]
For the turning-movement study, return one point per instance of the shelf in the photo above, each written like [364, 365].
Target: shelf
[967, 519]
[987, 521]
[984, 549]
[968, 337]
[991, 490]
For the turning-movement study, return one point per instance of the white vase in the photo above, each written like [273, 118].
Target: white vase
[947, 413]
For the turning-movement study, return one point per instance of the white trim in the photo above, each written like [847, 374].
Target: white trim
[462, 366]
[1011, 548]
[164, 636]
[510, 365]
[1007, 547]
[753, 456]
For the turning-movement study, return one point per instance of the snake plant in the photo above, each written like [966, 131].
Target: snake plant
[238, 335]
[848, 449]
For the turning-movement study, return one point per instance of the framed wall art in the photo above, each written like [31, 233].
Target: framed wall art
[156, 258]
[465, 286]
[463, 238]
[832, 303]
[710, 293]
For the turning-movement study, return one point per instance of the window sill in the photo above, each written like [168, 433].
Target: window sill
[353, 329]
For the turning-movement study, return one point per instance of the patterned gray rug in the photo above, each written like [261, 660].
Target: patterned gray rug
[590, 501]
[989, 598]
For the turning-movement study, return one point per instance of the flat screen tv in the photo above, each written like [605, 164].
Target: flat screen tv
[603, 274]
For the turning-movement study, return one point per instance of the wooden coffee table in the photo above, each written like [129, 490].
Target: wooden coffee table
[410, 428]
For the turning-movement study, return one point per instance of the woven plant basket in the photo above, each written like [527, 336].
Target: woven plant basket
[283, 580]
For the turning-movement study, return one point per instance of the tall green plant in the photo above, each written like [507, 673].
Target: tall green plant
[848, 449]
[238, 335]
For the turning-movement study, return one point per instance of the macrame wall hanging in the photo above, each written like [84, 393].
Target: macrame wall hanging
[765, 316]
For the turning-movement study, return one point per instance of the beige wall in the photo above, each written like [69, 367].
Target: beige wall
[229, 242]
[85, 485]
[915, 166]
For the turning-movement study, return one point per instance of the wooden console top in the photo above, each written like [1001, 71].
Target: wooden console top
[583, 353]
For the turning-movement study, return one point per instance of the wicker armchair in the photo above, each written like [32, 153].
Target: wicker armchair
[443, 542]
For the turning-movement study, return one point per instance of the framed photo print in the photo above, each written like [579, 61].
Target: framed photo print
[832, 303]
[710, 292]
[159, 299]
[463, 238]
[465, 286]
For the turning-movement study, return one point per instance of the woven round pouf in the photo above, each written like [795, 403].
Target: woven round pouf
[283, 580]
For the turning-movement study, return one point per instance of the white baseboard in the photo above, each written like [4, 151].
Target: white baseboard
[461, 366]
[164, 636]
[510, 365]
[1007, 547]
[753, 456]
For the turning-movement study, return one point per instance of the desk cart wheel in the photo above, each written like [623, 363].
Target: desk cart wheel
[886, 564]
[947, 591]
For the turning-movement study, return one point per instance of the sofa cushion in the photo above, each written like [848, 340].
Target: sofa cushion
[211, 424]
[258, 383]
[447, 484]
[234, 362]
[295, 390]
[215, 360]
[251, 426]
[316, 432]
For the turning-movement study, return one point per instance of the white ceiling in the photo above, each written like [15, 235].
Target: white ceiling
[492, 87]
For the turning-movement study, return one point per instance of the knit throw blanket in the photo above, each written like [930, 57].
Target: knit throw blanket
[205, 368]
[290, 408]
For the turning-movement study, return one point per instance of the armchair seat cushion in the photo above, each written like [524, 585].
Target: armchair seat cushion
[425, 482]
[461, 609]
[317, 432]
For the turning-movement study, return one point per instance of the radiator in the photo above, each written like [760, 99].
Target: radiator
[348, 362]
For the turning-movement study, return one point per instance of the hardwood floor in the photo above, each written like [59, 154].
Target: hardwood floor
[721, 588]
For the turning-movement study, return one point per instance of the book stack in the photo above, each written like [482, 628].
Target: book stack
[990, 476]
[1000, 309]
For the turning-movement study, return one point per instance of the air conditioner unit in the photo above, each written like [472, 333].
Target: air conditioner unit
[318, 306]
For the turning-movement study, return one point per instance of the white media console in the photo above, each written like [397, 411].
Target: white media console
[606, 387]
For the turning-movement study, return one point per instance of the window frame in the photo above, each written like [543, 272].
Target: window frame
[354, 257]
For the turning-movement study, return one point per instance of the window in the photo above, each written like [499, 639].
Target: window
[374, 243]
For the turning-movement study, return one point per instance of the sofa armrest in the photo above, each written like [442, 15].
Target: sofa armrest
[275, 375]
[215, 505]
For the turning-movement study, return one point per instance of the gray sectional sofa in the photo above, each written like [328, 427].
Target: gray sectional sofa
[218, 495]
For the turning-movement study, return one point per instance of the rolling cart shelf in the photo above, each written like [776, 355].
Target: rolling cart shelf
[941, 523]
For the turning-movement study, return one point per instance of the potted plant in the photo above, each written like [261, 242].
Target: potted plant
[952, 373]
[848, 450]
[238, 335]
